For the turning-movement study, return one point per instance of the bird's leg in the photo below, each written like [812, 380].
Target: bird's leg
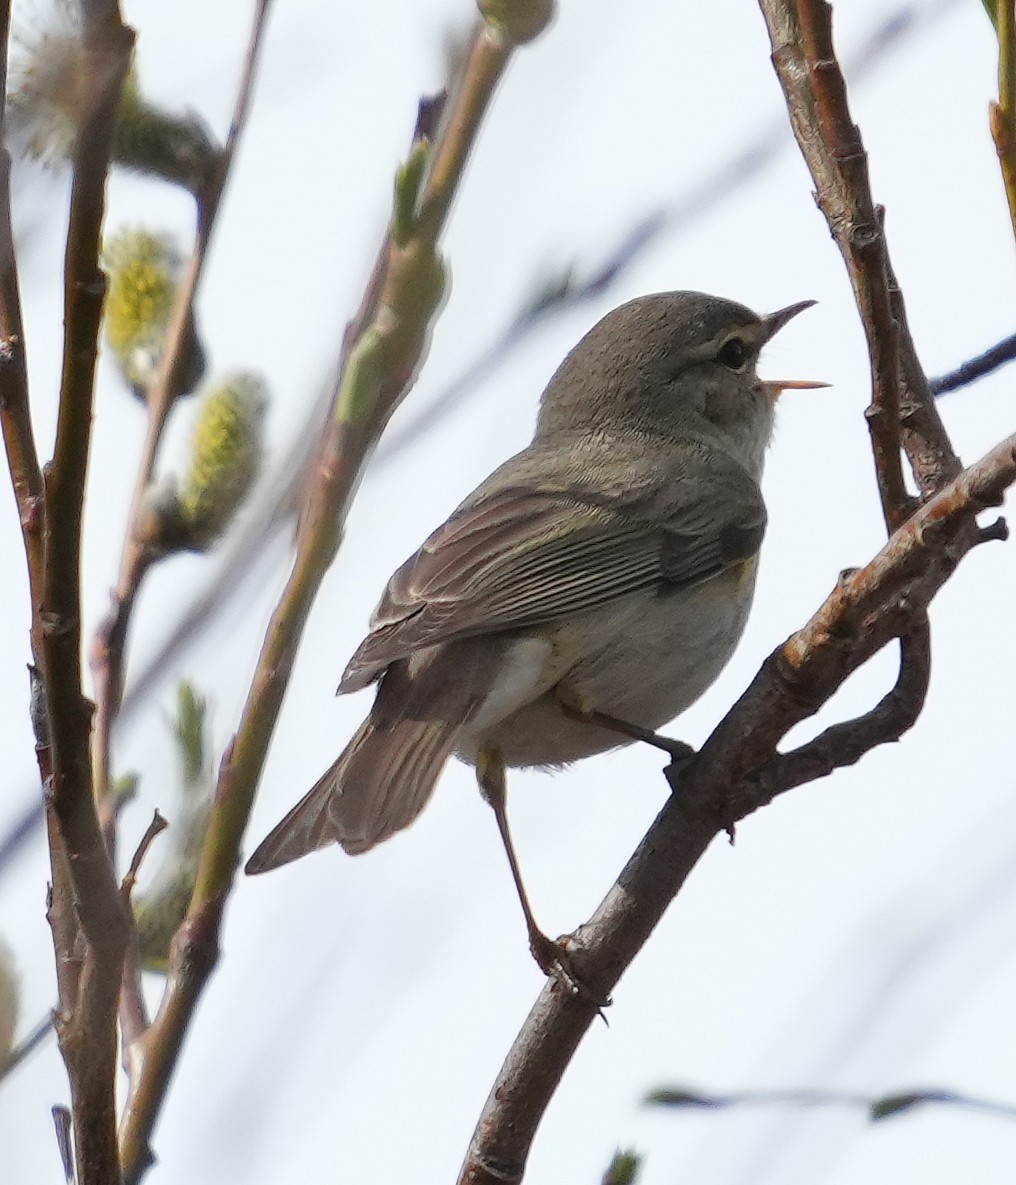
[551, 956]
[490, 774]
[572, 706]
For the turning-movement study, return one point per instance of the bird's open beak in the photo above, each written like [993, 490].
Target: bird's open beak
[775, 321]
[772, 325]
[774, 388]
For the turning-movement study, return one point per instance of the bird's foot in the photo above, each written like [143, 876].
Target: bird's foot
[555, 961]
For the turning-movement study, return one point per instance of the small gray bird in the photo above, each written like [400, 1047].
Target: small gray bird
[583, 596]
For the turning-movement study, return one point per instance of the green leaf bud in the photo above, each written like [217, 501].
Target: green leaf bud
[518, 21]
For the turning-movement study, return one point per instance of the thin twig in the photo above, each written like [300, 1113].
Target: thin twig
[15, 412]
[886, 598]
[133, 1010]
[157, 825]
[89, 920]
[108, 651]
[805, 62]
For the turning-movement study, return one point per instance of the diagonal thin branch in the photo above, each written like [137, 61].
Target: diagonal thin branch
[868, 607]
[805, 62]
[879, 1107]
[108, 650]
[383, 350]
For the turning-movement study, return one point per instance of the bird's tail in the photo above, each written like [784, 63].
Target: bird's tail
[384, 777]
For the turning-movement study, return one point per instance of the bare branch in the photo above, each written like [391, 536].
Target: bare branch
[87, 913]
[805, 62]
[868, 607]
[157, 825]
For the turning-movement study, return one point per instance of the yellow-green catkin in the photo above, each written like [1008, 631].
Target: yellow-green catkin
[226, 452]
[144, 273]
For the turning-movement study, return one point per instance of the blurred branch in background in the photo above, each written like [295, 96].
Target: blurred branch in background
[976, 368]
[28, 1044]
[878, 1107]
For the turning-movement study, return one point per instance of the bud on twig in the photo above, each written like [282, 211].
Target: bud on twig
[518, 20]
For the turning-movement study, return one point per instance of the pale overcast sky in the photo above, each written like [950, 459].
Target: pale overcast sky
[859, 934]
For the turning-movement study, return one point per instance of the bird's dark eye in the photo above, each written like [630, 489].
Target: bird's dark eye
[733, 354]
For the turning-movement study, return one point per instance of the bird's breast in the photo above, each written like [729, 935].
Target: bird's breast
[643, 658]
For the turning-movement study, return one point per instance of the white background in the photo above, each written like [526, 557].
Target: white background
[859, 934]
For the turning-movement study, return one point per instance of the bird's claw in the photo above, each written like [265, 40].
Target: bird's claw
[556, 963]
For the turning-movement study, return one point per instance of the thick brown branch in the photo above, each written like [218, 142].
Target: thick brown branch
[868, 607]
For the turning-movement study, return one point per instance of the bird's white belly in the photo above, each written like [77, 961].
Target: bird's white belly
[643, 659]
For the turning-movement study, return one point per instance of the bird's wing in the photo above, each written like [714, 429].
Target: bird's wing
[525, 555]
